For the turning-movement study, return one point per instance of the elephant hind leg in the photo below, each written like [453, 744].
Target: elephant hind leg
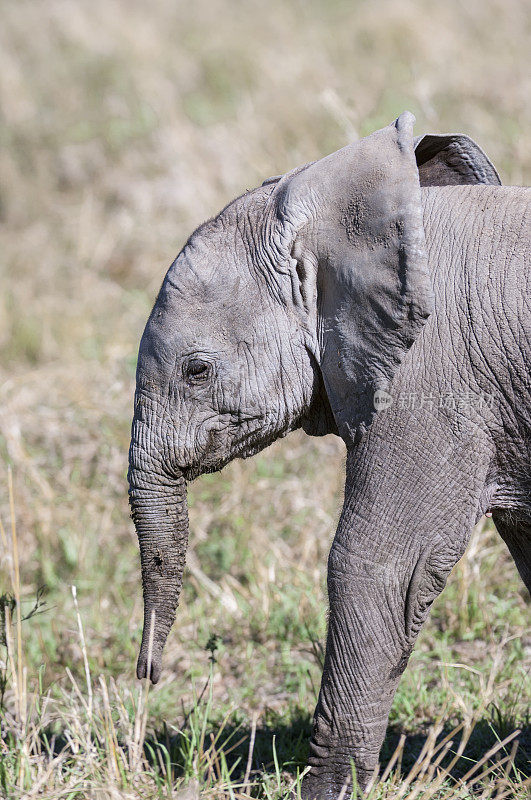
[515, 529]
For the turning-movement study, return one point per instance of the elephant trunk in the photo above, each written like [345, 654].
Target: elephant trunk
[160, 513]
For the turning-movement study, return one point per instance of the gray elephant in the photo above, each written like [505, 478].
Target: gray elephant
[381, 294]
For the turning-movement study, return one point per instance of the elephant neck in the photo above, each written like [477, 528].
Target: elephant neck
[319, 420]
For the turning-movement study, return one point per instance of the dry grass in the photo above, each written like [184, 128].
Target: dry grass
[124, 125]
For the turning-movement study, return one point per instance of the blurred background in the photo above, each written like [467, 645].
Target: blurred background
[124, 125]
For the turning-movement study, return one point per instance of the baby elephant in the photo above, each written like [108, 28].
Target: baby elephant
[381, 294]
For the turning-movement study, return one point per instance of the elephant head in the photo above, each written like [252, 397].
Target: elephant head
[290, 308]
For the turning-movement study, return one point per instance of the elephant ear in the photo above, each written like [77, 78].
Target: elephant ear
[452, 159]
[348, 230]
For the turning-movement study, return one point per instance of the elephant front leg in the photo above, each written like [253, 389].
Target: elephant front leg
[401, 531]
[373, 623]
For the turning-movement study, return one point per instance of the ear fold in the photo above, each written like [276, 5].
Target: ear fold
[451, 159]
[348, 231]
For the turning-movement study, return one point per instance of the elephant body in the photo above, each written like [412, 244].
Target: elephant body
[381, 294]
[454, 444]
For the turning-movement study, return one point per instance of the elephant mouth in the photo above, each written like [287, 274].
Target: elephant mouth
[245, 446]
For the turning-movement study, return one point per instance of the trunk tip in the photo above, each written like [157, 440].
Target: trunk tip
[142, 667]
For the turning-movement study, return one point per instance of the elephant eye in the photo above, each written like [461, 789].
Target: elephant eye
[197, 371]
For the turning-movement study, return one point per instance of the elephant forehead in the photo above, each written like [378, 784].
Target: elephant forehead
[219, 253]
[196, 302]
[216, 249]
[206, 273]
[209, 281]
[192, 315]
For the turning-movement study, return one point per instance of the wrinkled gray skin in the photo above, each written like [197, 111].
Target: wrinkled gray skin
[291, 308]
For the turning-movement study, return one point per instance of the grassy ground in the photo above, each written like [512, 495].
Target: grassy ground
[124, 125]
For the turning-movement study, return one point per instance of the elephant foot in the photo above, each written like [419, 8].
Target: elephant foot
[330, 787]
